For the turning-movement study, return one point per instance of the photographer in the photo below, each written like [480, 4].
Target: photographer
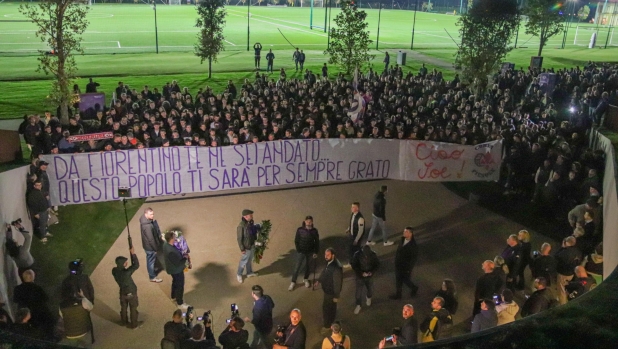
[294, 335]
[262, 318]
[201, 338]
[176, 331]
[21, 254]
[233, 336]
[78, 281]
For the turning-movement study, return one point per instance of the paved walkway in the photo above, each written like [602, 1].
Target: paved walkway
[454, 238]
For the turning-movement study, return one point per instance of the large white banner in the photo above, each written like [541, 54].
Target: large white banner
[95, 177]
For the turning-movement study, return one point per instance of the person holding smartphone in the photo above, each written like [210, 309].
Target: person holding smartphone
[233, 336]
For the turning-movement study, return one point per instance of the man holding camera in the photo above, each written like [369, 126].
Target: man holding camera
[233, 336]
[262, 318]
[201, 338]
[294, 335]
[176, 331]
[78, 281]
[123, 274]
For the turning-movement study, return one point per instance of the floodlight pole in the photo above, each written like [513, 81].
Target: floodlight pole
[248, 15]
[330, 11]
[325, 15]
[413, 25]
[379, 17]
[154, 7]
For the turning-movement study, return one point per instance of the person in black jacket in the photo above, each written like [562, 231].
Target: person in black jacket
[233, 336]
[405, 259]
[379, 217]
[151, 241]
[175, 264]
[544, 264]
[307, 242]
[567, 258]
[355, 232]
[32, 296]
[123, 274]
[201, 338]
[513, 259]
[487, 285]
[332, 281]
[364, 263]
[541, 299]
[38, 205]
[257, 49]
[22, 325]
[295, 334]
[176, 331]
[262, 318]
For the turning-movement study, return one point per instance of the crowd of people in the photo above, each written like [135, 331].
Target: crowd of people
[546, 161]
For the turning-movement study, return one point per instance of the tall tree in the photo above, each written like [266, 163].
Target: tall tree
[60, 24]
[544, 20]
[210, 20]
[486, 32]
[349, 40]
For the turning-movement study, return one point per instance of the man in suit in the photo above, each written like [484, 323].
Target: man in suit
[151, 241]
[175, 264]
[405, 259]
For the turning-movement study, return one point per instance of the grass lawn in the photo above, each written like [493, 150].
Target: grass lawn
[85, 231]
[120, 45]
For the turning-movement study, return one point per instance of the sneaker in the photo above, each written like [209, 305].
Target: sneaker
[357, 310]
[291, 287]
[368, 302]
[252, 275]
[44, 240]
[388, 243]
[370, 243]
[307, 283]
[347, 266]
[239, 278]
[48, 235]
[157, 280]
[183, 306]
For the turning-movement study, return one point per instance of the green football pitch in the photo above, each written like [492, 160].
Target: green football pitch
[124, 28]
[119, 44]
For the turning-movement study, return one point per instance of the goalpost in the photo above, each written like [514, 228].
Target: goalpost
[174, 2]
[315, 3]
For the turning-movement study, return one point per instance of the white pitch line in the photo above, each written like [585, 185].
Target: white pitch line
[229, 42]
[281, 25]
[275, 19]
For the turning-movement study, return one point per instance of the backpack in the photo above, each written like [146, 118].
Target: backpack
[445, 326]
[337, 345]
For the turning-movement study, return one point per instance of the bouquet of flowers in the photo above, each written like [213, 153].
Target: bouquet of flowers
[262, 237]
[181, 245]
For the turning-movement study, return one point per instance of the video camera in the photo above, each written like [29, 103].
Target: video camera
[16, 222]
[280, 339]
[205, 317]
[76, 267]
[235, 313]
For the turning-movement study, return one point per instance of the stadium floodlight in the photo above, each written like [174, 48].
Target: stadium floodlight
[154, 7]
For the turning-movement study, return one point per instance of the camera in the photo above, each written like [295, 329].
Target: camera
[188, 314]
[280, 339]
[16, 222]
[497, 299]
[205, 317]
[76, 267]
[536, 254]
[235, 313]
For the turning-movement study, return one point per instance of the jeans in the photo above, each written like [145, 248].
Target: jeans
[374, 224]
[269, 66]
[257, 61]
[131, 302]
[261, 340]
[361, 283]
[329, 310]
[246, 260]
[302, 260]
[151, 258]
[178, 287]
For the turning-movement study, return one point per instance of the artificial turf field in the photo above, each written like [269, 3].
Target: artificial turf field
[120, 45]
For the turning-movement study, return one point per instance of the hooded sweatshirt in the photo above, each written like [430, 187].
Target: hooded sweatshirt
[507, 312]
[124, 276]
